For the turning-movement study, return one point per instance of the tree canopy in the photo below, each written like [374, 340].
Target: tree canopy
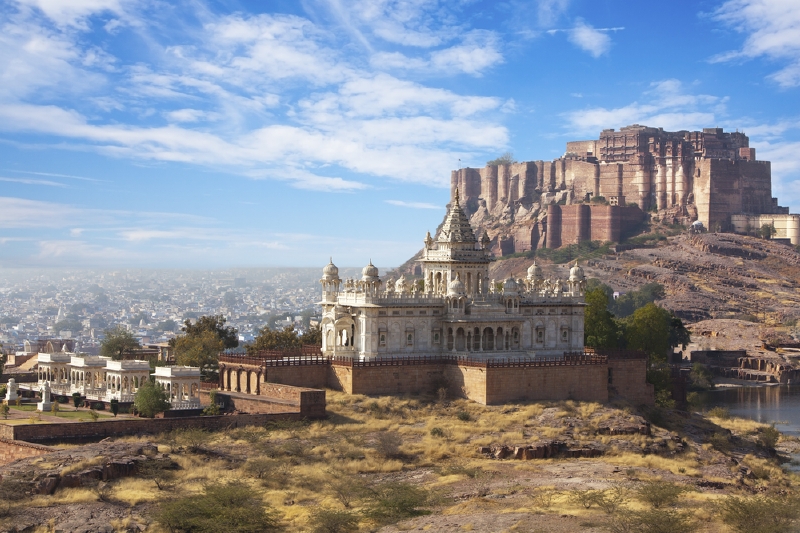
[150, 400]
[216, 324]
[284, 339]
[201, 350]
[117, 343]
[648, 330]
[505, 159]
[600, 328]
[201, 343]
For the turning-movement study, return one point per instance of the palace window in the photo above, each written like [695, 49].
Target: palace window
[409, 312]
[423, 312]
[436, 338]
[383, 339]
[381, 313]
[540, 335]
[395, 313]
[409, 339]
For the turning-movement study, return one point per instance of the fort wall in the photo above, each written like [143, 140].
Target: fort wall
[579, 382]
[711, 170]
[627, 380]
[11, 450]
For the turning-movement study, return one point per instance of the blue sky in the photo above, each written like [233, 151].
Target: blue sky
[203, 133]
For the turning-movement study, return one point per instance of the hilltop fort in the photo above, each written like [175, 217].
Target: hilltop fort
[601, 189]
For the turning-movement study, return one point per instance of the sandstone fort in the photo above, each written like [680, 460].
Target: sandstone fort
[601, 189]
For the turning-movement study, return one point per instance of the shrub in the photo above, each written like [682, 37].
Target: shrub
[93, 414]
[611, 499]
[388, 443]
[464, 416]
[544, 496]
[4, 409]
[159, 471]
[652, 521]
[150, 399]
[193, 439]
[76, 399]
[437, 432]
[232, 507]
[392, 502]
[114, 406]
[659, 494]
[259, 467]
[212, 409]
[720, 412]
[768, 437]
[347, 489]
[333, 521]
[758, 514]
[586, 498]
[720, 441]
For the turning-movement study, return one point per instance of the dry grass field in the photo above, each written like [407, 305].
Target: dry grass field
[413, 463]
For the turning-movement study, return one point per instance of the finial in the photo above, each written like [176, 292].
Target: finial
[456, 195]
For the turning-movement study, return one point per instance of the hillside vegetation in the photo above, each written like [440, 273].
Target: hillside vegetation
[390, 464]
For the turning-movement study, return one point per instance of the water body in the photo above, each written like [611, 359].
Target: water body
[778, 404]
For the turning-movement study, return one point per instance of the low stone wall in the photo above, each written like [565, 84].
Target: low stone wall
[11, 450]
[579, 376]
[87, 431]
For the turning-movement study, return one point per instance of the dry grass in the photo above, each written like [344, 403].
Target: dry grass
[83, 465]
[302, 462]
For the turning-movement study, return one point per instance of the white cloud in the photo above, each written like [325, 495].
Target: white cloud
[773, 31]
[75, 12]
[667, 105]
[27, 181]
[274, 94]
[413, 205]
[595, 41]
[549, 11]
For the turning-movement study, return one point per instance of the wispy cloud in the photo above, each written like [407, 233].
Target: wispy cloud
[595, 41]
[268, 96]
[25, 181]
[413, 205]
[773, 31]
[54, 175]
[665, 104]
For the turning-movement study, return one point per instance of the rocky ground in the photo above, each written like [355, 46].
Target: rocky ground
[453, 449]
[705, 276]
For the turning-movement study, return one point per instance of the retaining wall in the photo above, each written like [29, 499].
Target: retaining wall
[82, 431]
[11, 450]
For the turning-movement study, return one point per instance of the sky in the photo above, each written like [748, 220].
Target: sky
[214, 134]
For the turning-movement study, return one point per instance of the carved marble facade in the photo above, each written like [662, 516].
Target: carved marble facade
[455, 308]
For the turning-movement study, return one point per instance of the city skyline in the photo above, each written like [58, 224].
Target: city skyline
[140, 133]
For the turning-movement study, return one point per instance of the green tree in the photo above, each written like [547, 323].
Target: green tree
[167, 325]
[648, 331]
[216, 324]
[767, 231]
[150, 400]
[600, 329]
[232, 507]
[679, 336]
[270, 339]
[200, 350]
[117, 343]
[312, 336]
[505, 159]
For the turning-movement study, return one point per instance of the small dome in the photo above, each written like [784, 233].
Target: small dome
[369, 272]
[510, 285]
[535, 271]
[455, 287]
[330, 271]
[576, 273]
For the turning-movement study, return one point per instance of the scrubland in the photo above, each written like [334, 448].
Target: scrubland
[413, 463]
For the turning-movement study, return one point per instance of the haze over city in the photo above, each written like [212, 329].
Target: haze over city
[141, 133]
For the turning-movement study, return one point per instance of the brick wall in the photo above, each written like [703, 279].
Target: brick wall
[82, 431]
[11, 451]
[628, 381]
[580, 382]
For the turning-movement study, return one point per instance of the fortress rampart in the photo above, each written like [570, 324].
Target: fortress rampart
[708, 175]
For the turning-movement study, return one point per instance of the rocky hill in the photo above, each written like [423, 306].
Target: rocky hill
[705, 276]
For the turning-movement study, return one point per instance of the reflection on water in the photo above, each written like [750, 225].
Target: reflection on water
[779, 404]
